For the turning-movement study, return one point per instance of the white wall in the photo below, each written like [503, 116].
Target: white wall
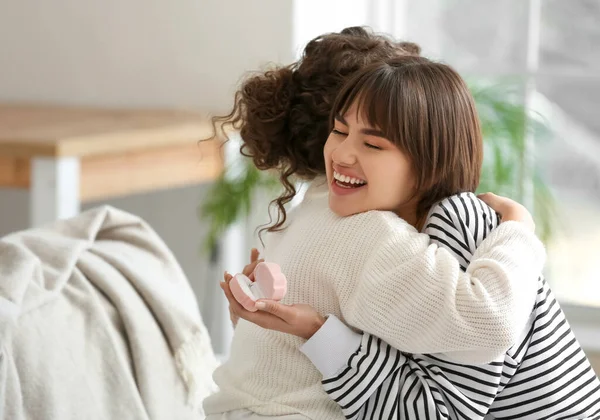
[137, 52]
[315, 17]
[151, 53]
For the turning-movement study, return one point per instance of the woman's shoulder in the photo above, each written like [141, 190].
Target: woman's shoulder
[382, 220]
[463, 207]
[384, 231]
[314, 208]
[460, 222]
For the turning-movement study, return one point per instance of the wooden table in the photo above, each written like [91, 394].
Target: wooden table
[66, 156]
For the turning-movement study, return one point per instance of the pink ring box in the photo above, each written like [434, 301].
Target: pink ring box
[269, 283]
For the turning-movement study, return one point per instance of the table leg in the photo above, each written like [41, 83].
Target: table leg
[54, 189]
[231, 257]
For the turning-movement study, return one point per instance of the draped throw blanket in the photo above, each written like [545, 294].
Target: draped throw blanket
[98, 321]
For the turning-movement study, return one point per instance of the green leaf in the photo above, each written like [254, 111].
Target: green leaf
[230, 199]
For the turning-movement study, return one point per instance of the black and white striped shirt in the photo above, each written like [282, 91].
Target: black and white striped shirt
[545, 375]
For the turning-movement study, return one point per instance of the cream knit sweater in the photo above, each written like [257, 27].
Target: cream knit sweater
[379, 275]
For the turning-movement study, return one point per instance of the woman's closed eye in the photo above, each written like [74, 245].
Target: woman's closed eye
[372, 146]
[338, 132]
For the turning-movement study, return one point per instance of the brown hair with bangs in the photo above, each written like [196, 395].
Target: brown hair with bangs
[425, 109]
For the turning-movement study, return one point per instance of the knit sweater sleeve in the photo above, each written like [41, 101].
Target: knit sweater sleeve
[414, 295]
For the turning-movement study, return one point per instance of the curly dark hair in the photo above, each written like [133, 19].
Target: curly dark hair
[283, 114]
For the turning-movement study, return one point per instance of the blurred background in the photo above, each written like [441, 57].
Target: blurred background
[534, 66]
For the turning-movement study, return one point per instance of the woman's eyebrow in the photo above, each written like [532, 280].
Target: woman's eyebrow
[372, 132]
[365, 131]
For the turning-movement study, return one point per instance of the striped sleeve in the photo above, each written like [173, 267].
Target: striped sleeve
[359, 386]
[555, 379]
[380, 382]
[459, 224]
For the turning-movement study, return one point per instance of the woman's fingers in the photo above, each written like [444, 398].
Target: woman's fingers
[233, 303]
[499, 203]
[254, 261]
[490, 199]
[508, 209]
[262, 319]
[285, 312]
[249, 269]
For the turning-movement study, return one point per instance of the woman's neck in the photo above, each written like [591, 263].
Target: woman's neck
[408, 212]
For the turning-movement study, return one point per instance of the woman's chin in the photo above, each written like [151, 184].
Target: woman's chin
[341, 210]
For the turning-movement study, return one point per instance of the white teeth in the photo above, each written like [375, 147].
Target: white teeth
[347, 179]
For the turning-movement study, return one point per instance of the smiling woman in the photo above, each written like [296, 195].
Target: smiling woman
[387, 127]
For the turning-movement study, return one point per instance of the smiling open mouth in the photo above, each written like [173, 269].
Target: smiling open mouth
[345, 181]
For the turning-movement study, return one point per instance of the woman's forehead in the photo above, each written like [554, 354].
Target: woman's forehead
[357, 113]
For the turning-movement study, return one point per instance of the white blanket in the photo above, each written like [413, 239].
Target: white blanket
[98, 321]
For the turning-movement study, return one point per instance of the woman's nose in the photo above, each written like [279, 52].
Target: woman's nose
[344, 154]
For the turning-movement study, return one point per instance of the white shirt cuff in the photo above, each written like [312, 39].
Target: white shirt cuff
[331, 347]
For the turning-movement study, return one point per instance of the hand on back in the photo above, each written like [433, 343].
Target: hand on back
[509, 210]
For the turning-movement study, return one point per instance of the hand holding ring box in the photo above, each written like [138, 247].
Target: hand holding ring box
[269, 283]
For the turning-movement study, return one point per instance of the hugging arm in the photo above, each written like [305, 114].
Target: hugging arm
[369, 378]
[425, 303]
